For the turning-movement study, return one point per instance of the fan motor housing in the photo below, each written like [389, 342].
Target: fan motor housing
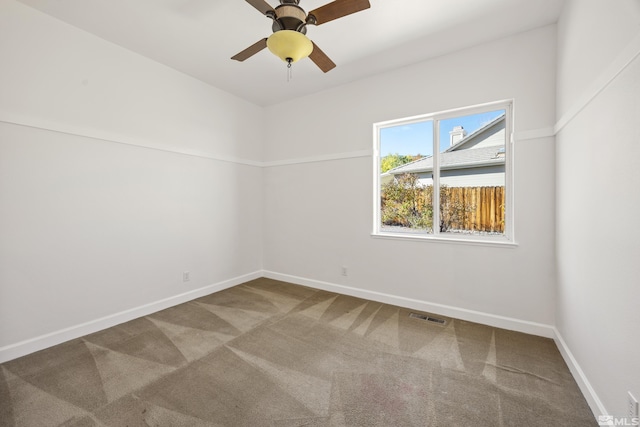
[290, 17]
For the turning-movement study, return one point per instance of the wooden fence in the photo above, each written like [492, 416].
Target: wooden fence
[408, 204]
[472, 208]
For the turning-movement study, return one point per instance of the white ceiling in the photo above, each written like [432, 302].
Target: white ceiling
[198, 37]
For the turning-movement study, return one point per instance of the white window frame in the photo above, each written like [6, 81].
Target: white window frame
[508, 238]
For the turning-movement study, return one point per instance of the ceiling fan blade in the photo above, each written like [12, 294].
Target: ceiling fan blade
[251, 50]
[337, 9]
[261, 5]
[321, 59]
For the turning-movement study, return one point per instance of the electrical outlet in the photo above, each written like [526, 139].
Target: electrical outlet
[344, 271]
[633, 406]
[186, 276]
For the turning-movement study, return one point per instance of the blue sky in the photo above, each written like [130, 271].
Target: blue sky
[417, 138]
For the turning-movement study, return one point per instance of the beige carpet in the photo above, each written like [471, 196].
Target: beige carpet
[268, 353]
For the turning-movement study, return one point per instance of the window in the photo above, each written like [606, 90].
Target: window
[445, 175]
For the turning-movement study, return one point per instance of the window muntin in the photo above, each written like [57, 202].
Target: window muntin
[458, 161]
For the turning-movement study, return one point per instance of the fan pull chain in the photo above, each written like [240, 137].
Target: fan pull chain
[289, 73]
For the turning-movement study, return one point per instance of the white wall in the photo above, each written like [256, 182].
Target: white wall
[598, 201]
[318, 214]
[116, 175]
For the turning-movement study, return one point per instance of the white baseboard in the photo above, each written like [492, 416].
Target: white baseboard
[581, 379]
[32, 345]
[509, 323]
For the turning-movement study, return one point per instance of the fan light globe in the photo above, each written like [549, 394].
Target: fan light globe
[291, 44]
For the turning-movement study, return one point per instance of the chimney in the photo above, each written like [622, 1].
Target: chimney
[457, 134]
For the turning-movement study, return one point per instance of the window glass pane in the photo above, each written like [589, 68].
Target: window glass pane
[472, 174]
[406, 183]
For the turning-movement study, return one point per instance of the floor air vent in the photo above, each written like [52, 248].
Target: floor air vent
[428, 318]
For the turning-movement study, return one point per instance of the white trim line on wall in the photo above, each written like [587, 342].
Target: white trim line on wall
[629, 54]
[141, 143]
[319, 158]
[534, 134]
[116, 139]
[519, 136]
[513, 324]
[32, 345]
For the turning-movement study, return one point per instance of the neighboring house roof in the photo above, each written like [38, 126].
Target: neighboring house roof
[463, 159]
[476, 135]
[461, 155]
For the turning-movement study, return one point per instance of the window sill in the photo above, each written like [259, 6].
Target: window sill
[495, 241]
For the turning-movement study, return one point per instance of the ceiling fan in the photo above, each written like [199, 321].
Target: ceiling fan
[290, 21]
